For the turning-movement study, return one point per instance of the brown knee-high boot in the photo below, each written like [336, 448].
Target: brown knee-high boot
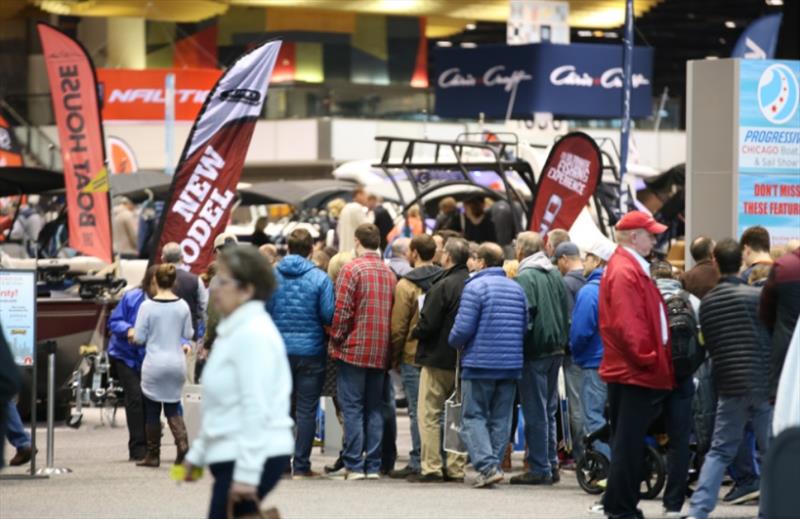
[153, 456]
[178, 428]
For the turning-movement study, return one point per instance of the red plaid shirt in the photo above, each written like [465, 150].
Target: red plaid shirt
[361, 328]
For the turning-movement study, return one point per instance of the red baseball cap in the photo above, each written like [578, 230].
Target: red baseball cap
[640, 220]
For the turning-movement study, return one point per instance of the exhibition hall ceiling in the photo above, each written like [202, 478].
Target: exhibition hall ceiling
[583, 13]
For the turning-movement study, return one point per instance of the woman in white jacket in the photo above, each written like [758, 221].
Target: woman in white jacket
[246, 433]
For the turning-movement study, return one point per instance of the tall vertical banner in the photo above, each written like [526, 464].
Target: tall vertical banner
[769, 148]
[204, 185]
[73, 86]
[568, 180]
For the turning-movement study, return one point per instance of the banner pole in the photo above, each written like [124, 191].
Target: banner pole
[627, 59]
[169, 123]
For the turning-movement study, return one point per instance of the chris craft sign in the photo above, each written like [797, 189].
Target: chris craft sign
[769, 148]
[576, 80]
[138, 95]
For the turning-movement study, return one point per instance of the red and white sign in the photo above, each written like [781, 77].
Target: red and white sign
[203, 189]
[568, 180]
[138, 95]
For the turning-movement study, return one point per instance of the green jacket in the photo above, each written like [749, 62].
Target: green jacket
[548, 314]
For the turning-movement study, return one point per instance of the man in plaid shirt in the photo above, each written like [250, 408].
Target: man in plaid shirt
[360, 344]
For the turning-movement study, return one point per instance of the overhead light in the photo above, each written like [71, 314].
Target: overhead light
[444, 43]
[468, 44]
[470, 27]
[598, 34]
[712, 57]
[774, 2]
[730, 24]
[611, 34]
[585, 34]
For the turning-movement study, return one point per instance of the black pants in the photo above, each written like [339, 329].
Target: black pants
[678, 411]
[223, 479]
[131, 382]
[631, 411]
[152, 410]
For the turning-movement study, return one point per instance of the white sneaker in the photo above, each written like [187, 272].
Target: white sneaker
[374, 475]
[354, 476]
[672, 514]
[337, 474]
[597, 509]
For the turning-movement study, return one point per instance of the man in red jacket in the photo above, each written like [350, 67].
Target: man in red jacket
[637, 362]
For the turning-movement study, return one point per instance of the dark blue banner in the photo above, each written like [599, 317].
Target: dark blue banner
[579, 80]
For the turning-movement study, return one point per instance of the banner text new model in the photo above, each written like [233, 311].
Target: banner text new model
[73, 87]
[569, 178]
[204, 185]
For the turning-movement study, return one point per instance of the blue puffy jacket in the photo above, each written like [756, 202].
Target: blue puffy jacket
[302, 305]
[122, 319]
[584, 334]
[491, 322]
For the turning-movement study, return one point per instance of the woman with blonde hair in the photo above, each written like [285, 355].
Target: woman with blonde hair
[162, 322]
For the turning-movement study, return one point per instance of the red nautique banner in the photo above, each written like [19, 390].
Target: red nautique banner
[73, 86]
[204, 186]
[569, 178]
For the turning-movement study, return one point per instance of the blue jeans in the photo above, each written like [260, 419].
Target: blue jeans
[745, 470]
[410, 374]
[594, 394]
[538, 392]
[308, 376]
[573, 380]
[486, 420]
[732, 416]
[678, 411]
[360, 393]
[15, 431]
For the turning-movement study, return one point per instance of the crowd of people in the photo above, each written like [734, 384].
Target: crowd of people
[635, 338]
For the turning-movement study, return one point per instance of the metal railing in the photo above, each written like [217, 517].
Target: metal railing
[36, 144]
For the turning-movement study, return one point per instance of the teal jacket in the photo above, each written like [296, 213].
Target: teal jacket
[548, 312]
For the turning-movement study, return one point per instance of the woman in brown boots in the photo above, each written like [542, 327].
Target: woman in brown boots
[162, 323]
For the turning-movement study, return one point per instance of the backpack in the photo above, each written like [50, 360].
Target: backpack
[687, 353]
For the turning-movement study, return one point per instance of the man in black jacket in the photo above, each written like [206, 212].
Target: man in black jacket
[740, 351]
[438, 361]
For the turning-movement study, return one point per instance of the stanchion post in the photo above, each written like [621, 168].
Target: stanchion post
[50, 469]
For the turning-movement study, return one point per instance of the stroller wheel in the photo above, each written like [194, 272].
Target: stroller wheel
[590, 470]
[655, 474]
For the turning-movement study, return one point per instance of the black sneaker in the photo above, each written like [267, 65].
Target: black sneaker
[433, 477]
[403, 473]
[556, 477]
[337, 466]
[740, 494]
[529, 478]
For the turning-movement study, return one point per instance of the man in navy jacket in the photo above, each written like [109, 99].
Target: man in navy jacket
[489, 331]
[301, 307]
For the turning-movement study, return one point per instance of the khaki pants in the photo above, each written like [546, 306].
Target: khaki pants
[436, 386]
